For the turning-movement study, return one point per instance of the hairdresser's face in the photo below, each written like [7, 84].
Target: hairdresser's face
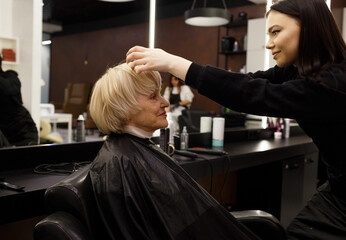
[152, 115]
[174, 81]
[283, 32]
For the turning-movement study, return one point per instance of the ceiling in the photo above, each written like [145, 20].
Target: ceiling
[86, 15]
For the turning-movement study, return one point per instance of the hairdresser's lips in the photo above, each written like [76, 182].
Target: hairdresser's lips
[275, 54]
[163, 114]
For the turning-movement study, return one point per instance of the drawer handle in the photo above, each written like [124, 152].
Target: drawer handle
[309, 160]
[292, 166]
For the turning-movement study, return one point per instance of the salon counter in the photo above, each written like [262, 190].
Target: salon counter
[294, 153]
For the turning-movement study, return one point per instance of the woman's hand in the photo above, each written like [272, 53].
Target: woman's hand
[145, 59]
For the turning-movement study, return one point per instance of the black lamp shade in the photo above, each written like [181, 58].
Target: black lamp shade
[207, 17]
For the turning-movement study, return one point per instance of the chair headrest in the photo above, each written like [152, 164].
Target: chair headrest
[74, 195]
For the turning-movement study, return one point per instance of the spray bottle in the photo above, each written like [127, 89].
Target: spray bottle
[184, 139]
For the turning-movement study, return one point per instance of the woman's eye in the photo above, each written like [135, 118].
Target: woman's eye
[153, 96]
[275, 32]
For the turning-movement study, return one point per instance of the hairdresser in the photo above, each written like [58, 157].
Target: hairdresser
[308, 84]
[180, 98]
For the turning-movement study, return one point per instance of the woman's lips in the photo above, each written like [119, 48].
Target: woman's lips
[275, 54]
[163, 114]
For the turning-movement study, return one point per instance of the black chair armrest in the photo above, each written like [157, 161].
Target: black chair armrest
[263, 224]
[61, 226]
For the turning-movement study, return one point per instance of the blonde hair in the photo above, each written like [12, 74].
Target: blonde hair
[114, 96]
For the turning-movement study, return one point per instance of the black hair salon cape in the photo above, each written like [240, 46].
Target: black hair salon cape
[142, 193]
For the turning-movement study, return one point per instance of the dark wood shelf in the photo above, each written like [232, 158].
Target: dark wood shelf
[236, 24]
[233, 53]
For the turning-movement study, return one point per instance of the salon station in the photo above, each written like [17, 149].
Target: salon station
[259, 168]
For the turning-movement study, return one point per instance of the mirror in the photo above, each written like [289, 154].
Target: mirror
[83, 50]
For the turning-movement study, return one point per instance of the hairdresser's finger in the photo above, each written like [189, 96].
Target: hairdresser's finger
[140, 68]
[135, 56]
[135, 49]
[132, 64]
[130, 58]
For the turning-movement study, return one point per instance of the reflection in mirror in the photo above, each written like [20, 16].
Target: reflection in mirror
[17, 127]
[91, 51]
[84, 55]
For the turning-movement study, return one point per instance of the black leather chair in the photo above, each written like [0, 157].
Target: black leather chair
[74, 215]
[73, 210]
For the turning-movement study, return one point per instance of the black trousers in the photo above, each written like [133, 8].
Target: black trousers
[324, 217]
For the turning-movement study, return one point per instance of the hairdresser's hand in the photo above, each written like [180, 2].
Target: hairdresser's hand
[144, 59]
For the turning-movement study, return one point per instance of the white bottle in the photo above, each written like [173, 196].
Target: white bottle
[80, 129]
[286, 130]
[184, 139]
[171, 126]
[236, 46]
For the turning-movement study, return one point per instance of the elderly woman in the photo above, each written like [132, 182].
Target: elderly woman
[141, 192]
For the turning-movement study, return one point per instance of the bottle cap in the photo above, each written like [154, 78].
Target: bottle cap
[80, 118]
[184, 129]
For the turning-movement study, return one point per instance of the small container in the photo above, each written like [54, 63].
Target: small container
[286, 130]
[235, 46]
[277, 135]
[164, 138]
[184, 139]
[218, 132]
[205, 124]
[171, 126]
[227, 44]
[80, 129]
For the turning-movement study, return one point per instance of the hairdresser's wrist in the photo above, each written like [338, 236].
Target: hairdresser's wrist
[179, 67]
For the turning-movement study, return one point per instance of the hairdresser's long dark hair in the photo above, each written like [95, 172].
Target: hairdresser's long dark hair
[320, 43]
[181, 83]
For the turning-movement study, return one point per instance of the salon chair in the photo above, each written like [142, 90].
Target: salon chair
[74, 216]
[76, 100]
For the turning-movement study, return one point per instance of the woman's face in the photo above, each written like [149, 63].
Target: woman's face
[174, 81]
[152, 114]
[284, 33]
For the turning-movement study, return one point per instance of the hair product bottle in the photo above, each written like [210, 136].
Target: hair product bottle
[184, 139]
[80, 129]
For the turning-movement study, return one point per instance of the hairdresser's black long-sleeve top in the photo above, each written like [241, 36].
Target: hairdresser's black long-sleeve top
[318, 107]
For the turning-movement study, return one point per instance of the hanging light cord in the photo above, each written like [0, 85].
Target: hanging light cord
[205, 4]
[193, 4]
[224, 4]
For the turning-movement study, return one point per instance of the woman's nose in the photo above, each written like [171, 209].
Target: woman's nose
[164, 102]
[269, 44]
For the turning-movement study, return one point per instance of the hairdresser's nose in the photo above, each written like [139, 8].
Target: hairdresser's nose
[269, 44]
[164, 102]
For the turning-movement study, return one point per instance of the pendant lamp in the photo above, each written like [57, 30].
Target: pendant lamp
[207, 17]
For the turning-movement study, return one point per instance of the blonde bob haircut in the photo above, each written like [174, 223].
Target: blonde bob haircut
[114, 96]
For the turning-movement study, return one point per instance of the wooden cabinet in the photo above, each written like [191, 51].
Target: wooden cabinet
[10, 43]
[281, 188]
